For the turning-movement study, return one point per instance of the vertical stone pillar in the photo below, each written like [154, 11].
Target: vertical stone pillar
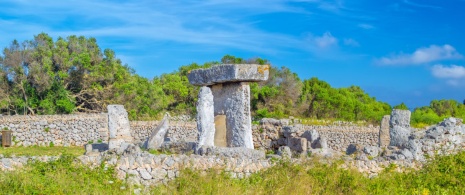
[118, 126]
[384, 139]
[205, 117]
[238, 120]
[399, 128]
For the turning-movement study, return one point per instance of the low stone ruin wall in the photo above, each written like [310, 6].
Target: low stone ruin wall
[178, 130]
[80, 129]
[66, 130]
[269, 135]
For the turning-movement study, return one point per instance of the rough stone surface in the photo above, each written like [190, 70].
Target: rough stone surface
[399, 128]
[372, 151]
[235, 98]
[297, 144]
[229, 73]
[157, 137]
[234, 152]
[353, 149]
[205, 117]
[400, 118]
[399, 136]
[384, 138]
[284, 152]
[118, 126]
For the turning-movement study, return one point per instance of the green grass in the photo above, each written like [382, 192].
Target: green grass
[62, 176]
[444, 175]
[41, 151]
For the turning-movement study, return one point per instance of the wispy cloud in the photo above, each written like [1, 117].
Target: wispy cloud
[454, 75]
[448, 72]
[421, 5]
[325, 41]
[422, 55]
[191, 22]
[351, 42]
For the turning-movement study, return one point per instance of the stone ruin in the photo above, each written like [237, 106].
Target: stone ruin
[118, 126]
[223, 107]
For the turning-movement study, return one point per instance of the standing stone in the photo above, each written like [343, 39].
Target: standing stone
[238, 119]
[383, 138]
[205, 117]
[158, 135]
[400, 118]
[118, 126]
[399, 128]
[231, 97]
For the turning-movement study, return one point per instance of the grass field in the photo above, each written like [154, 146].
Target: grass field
[444, 175]
[41, 151]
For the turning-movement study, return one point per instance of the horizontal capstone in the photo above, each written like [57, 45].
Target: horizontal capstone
[229, 73]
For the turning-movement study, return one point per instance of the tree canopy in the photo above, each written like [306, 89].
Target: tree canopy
[73, 74]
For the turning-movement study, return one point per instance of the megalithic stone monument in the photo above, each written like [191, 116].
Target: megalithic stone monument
[225, 91]
[118, 126]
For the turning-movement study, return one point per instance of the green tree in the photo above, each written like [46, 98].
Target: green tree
[401, 106]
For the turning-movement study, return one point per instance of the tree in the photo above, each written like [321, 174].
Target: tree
[401, 106]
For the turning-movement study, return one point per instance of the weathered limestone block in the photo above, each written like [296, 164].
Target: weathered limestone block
[399, 128]
[157, 137]
[297, 144]
[400, 118]
[229, 73]
[118, 126]
[383, 138]
[399, 136]
[232, 152]
[205, 117]
[238, 119]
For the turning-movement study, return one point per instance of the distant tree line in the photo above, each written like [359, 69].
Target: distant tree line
[73, 74]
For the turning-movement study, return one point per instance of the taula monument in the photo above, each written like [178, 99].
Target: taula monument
[223, 107]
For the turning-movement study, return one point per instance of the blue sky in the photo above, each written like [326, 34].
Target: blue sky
[408, 51]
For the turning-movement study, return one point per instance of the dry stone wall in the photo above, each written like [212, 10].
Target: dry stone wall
[80, 129]
[59, 130]
[269, 134]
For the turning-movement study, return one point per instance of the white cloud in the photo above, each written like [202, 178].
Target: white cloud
[351, 42]
[448, 72]
[422, 55]
[324, 41]
[454, 75]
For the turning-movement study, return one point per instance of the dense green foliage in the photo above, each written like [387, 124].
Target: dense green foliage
[43, 76]
[437, 111]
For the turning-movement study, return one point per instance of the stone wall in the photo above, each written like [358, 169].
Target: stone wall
[178, 131]
[78, 130]
[58, 130]
[269, 135]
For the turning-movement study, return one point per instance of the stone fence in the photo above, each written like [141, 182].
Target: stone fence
[269, 136]
[80, 129]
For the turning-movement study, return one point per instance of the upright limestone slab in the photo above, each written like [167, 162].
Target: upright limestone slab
[231, 97]
[384, 139]
[399, 128]
[205, 117]
[238, 119]
[118, 126]
[157, 137]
